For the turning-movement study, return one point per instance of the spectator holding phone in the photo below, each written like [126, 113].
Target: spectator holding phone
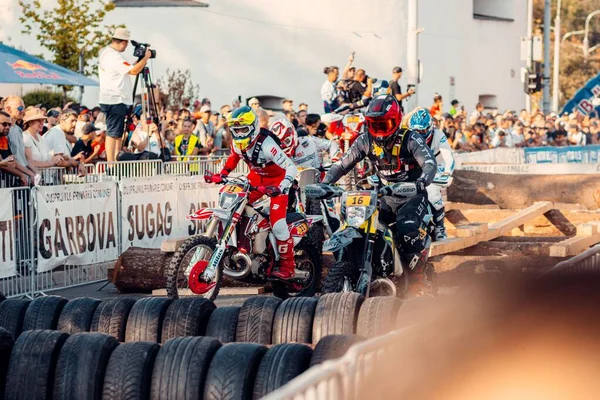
[395, 87]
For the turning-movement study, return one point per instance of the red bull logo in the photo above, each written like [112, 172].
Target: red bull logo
[20, 64]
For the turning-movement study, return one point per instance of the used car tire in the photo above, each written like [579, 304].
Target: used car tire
[332, 347]
[146, 318]
[182, 366]
[82, 365]
[43, 313]
[111, 317]
[77, 315]
[336, 314]
[6, 345]
[255, 322]
[129, 371]
[377, 316]
[294, 320]
[32, 365]
[281, 364]
[232, 372]
[12, 315]
[187, 317]
[222, 324]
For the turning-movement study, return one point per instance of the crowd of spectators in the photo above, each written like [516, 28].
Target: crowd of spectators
[482, 130]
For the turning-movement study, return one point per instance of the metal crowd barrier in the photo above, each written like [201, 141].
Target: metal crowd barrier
[587, 262]
[343, 378]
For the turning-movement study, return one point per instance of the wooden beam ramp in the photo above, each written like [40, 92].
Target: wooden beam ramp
[471, 234]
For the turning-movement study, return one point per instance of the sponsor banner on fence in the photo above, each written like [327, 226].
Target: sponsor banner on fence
[534, 169]
[148, 211]
[77, 225]
[562, 155]
[193, 194]
[7, 235]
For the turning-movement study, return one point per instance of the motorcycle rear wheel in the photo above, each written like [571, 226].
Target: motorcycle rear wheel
[175, 272]
[306, 257]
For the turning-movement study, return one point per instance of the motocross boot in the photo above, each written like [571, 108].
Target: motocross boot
[440, 229]
[286, 267]
[420, 279]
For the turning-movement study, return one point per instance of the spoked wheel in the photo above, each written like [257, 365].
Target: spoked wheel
[307, 259]
[186, 267]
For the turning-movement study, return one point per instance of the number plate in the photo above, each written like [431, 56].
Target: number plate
[232, 189]
[358, 200]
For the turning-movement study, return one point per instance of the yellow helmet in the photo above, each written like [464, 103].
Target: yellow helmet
[243, 124]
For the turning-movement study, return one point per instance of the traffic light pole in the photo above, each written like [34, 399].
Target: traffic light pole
[546, 82]
[529, 55]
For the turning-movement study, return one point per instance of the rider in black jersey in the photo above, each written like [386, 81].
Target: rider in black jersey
[397, 155]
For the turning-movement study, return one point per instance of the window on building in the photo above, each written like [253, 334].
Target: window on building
[494, 10]
[489, 101]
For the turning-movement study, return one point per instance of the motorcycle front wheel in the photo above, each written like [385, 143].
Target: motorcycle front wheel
[188, 260]
[341, 278]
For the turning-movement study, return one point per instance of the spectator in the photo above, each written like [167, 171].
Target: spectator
[436, 108]
[205, 130]
[84, 147]
[8, 162]
[303, 107]
[188, 144]
[288, 105]
[38, 155]
[99, 143]
[52, 120]
[206, 102]
[57, 139]
[263, 118]
[14, 106]
[575, 136]
[301, 121]
[116, 88]
[196, 107]
[96, 111]
[478, 113]
[222, 129]
[328, 91]
[235, 104]
[145, 139]
[395, 87]
[454, 107]
[313, 122]
[349, 71]
[361, 86]
[560, 138]
[291, 116]
[517, 135]
[254, 104]
[170, 140]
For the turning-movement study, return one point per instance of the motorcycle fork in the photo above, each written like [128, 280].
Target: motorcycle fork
[364, 280]
[210, 271]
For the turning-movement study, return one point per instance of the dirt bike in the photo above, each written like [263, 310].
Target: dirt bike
[238, 243]
[369, 262]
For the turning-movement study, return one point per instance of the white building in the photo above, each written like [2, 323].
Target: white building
[469, 49]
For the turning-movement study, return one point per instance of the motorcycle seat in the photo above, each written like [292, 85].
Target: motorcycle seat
[294, 217]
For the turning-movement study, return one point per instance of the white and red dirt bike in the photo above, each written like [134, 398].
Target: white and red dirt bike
[238, 243]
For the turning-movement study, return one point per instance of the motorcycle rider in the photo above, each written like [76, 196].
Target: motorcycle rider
[397, 155]
[421, 122]
[303, 149]
[270, 168]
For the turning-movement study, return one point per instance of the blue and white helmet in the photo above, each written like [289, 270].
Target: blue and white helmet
[421, 122]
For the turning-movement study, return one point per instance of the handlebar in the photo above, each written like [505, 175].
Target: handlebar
[270, 191]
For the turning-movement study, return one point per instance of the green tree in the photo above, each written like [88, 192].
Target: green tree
[177, 85]
[68, 29]
[575, 71]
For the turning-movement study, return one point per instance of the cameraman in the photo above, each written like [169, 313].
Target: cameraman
[116, 90]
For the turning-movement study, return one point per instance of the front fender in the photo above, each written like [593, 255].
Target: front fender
[206, 213]
[341, 239]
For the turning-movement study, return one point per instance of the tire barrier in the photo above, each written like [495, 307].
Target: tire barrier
[127, 348]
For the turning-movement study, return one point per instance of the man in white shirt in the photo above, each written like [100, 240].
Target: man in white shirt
[116, 90]
[205, 130]
[56, 138]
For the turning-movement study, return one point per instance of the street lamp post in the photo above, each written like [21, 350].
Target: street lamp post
[555, 74]
[586, 42]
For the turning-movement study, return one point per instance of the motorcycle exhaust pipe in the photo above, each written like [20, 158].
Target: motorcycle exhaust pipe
[244, 264]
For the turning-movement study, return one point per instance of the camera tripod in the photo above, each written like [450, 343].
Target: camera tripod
[149, 107]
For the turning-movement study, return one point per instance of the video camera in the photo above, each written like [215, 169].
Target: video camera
[139, 50]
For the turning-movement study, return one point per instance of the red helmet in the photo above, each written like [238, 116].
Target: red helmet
[284, 130]
[383, 118]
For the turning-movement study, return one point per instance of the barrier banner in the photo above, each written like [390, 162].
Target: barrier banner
[148, 211]
[7, 235]
[562, 155]
[193, 194]
[77, 225]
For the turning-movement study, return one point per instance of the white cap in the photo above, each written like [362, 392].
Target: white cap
[204, 109]
[122, 34]
[101, 126]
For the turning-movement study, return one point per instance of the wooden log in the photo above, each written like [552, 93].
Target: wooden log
[574, 245]
[140, 270]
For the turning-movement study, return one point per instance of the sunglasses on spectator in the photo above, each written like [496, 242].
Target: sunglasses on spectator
[5, 124]
[20, 108]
